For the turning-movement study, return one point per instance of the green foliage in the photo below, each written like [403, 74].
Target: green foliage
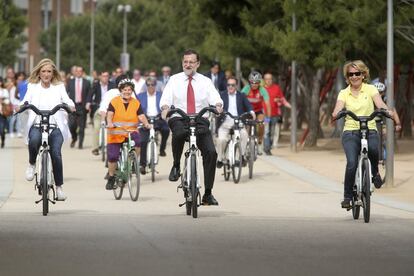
[12, 23]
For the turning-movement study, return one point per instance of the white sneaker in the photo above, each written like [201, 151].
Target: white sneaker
[30, 172]
[60, 195]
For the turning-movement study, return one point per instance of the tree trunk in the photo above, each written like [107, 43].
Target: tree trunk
[312, 138]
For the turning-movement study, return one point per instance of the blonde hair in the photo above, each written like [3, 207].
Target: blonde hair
[360, 66]
[35, 74]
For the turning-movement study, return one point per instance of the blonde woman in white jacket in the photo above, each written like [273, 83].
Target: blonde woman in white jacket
[45, 90]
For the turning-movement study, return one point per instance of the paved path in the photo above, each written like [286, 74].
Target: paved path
[275, 224]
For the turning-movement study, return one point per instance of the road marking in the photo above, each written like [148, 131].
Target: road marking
[325, 183]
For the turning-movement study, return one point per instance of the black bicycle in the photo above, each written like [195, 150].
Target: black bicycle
[44, 171]
[190, 178]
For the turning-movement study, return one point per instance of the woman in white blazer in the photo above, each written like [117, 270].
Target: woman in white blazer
[45, 90]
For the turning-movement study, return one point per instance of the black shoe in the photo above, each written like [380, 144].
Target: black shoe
[110, 185]
[72, 144]
[80, 146]
[244, 162]
[346, 203]
[377, 181]
[209, 200]
[142, 170]
[95, 152]
[2, 144]
[174, 174]
[268, 152]
[219, 165]
[162, 153]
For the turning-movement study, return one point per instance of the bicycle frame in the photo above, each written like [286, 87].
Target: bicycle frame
[363, 155]
[152, 139]
[124, 167]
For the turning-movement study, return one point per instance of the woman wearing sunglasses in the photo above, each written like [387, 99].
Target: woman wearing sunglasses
[359, 97]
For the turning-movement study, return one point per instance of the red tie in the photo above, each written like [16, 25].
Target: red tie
[190, 97]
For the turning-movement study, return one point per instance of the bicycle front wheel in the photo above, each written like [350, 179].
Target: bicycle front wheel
[44, 182]
[119, 189]
[366, 191]
[237, 166]
[226, 163]
[102, 144]
[152, 161]
[134, 182]
[251, 157]
[193, 186]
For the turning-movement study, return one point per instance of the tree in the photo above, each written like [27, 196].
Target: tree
[12, 23]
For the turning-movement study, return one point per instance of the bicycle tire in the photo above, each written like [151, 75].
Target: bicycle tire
[120, 186]
[251, 157]
[237, 166]
[44, 183]
[103, 146]
[152, 161]
[193, 185]
[134, 181]
[366, 191]
[355, 208]
[226, 163]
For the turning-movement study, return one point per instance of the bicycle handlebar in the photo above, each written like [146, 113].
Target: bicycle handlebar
[241, 117]
[379, 112]
[196, 115]
[44, 112]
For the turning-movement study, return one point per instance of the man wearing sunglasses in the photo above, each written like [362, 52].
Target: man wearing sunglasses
[236, 104]
[259, 98]
[150, 103]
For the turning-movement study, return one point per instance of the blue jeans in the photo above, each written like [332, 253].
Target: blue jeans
[270, 133]
[55, 145]
[3, 126]
[351, 141]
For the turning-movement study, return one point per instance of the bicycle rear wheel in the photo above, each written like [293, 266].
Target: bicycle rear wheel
[251, 157]
[102, 144]
[44, 183]
[119, 190]
[152, 161]
[193, 186]
[134, 182]
[237, 166]
[226, 163]
[366, 191]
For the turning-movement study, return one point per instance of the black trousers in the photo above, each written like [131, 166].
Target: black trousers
[205, 143]
[77, 123]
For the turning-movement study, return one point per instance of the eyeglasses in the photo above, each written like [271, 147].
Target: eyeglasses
[231, 85]
[151, 84]
[189, 62]
[350, 74]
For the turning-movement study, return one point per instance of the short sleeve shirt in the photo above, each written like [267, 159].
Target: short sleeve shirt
[362, 105]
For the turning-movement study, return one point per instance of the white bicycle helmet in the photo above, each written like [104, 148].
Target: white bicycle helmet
[380, 86]
[126, 82]
[255, 76]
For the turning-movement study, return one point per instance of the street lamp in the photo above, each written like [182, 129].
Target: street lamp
[92, 42]
[124, 56]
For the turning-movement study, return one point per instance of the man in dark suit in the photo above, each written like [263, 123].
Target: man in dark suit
[236, 104]
[217, 76]
[78, 90]
[150, 103]
[99, 89]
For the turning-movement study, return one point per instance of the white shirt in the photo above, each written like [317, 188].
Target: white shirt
[109, 95]
[232, 105]
[4, 93]
[152, 105]
[175, 92]
[104, 89]
[139, 85]
[47, 99]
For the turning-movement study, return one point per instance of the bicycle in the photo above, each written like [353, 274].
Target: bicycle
[44, 171]
[190, 178]
[152, 148]
[233, 158]
[102, 141]
[363, 188]
[252, 145]
[127, 170]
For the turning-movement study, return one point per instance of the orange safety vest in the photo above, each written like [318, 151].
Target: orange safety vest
[126, 119]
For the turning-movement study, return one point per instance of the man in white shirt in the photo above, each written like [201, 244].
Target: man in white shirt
[138, 81]
[191, 92]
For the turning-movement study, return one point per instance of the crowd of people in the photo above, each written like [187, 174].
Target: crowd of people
[121, 101]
